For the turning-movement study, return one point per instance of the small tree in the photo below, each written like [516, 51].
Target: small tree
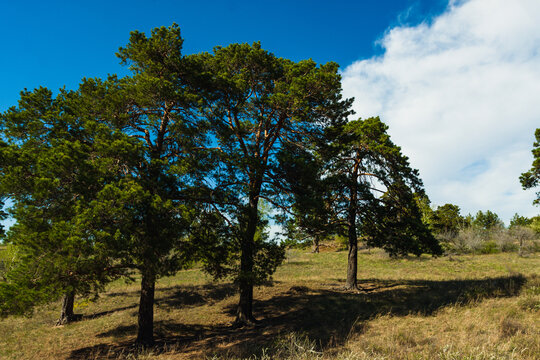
[372, 191]
[487, 220]
[447, 219]
[522, 234]
[518, 220]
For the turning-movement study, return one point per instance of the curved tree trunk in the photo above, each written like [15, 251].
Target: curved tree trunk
[145, 332]
[66, 314]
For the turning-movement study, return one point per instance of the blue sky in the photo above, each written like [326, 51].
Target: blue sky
[456, 80]
[56, 43]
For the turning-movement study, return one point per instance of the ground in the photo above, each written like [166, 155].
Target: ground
[459, 307]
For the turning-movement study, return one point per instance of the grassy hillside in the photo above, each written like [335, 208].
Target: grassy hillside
[461, 307]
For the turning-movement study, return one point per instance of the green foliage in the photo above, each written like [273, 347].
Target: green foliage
[9, 257]
[220, 249]
[19, 299]
[518, 220]
[447, 219]
[311, 207]
[489, 247]
[380, 187]
[257, 106]
[535, 224]
[468, 221]
[51, 169]
[487, 220]
[424, 205]
[531, 178]
[521, 221]
[445, 222]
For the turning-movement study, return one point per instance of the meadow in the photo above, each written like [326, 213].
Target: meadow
[451, 307]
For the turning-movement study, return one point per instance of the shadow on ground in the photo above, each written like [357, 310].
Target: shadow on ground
[328, 315]
[181, 296]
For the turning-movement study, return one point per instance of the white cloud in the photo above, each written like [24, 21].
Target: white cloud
[461, 95]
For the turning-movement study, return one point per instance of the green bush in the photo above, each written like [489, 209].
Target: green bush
[509, 247]
[342, 241]
[489, 247]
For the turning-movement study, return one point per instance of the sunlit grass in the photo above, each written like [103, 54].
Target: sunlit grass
[473, 307]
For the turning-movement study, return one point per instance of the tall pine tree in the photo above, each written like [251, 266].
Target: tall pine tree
[145, 215]
[257, 104]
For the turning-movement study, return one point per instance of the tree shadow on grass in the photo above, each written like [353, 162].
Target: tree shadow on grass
[182, 296]
[327, 316]
[122, 293]
[330, 316]
[107, 312]
[196, 295]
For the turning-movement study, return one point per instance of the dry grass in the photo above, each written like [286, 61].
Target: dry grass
[461, 307]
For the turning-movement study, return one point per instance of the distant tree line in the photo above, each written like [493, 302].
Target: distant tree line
[484, 232]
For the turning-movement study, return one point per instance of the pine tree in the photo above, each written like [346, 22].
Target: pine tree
[146, 213]
[372, 193]
[51, 171]
[256, 105]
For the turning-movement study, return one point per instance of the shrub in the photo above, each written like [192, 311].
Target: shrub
[481, 241]
[534, 246]
[467, 241]
[489, 247]
[504, 240]
[524, 237]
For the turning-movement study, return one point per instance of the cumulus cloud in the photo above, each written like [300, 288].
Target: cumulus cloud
[461, 95]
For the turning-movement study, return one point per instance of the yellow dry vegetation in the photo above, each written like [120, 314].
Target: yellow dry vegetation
[459, 307]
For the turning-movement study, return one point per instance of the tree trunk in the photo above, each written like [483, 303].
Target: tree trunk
[352, 261]
[244, 313]
[145, 332]
[316, 244]
[67, 315]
